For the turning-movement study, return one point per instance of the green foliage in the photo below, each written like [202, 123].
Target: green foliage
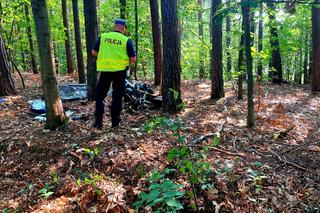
[90, 180]
[163, 195]
[92, 154]
[164, 123]
[46, 191]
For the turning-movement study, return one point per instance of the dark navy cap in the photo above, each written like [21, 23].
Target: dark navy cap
[120, 21]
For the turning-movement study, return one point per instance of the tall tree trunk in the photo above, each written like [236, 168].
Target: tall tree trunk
[6, 81]
[91, 25]
[228, 41]
[29, 34]
[248, 43]
[275, 63]
[55, 113]
[241, 63]
[137, 37]
[67, 38]
[260, 40]
[316, 47]
[202, 70]
[156, 35]
[306, 76]
[217, 90]
[123, 4]
[77, 35]
[171, 57]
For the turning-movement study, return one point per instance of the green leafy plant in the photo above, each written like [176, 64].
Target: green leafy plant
[92, 153]
[161, 122]
[90, 180]
[163, 194]
[46, 191]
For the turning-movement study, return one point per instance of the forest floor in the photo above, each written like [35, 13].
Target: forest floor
[274, 167]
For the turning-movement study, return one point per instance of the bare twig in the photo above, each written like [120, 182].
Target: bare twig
[221, 150]
[284, 160]
[15, 66]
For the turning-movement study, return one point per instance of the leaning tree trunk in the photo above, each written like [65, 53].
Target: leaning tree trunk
[29, 34]
[55, 113]
[6, 81]
[316, 47]
[217, 90]
[91, 25]
[67, 38]
[171, 57]
[156, 35]
[275, 64]
[248, 44]
[77, 32]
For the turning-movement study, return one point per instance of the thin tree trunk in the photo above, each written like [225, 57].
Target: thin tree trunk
[316, 47]
[123, 4]
[70, 68]
[56, 57]
[137, 38]
[202, 70]
[260, 40]
[275, 63]
[29, 34]
[171, 57]
[217, 90]
[91, 25]
[241, 63]
[156, 35]
[306, 77]
[77, 35]
[248, 43]
[228, 41]
[55, 113]
[6, 81]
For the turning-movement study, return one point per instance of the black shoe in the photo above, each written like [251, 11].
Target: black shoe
[115, 122]
[98, 125]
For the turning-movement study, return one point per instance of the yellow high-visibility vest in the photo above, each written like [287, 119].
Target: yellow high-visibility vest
[112, 54]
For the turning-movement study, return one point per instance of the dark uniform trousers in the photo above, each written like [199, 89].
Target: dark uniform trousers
[118, 87]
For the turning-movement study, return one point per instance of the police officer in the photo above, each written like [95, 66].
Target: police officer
[114, 52]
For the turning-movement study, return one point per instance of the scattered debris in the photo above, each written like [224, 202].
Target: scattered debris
[2, 100]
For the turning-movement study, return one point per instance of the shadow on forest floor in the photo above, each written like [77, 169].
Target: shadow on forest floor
[30, 157]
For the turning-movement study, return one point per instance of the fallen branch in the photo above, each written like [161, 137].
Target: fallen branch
[209, 135]
[284, 160]
[296, 147]
[282, 133]
[221, 150]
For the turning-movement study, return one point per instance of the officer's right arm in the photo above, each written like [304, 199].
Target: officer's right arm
[96, 48]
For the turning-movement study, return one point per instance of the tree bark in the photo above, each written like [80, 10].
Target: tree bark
[6, 81]
[70, 68]
[137, 37]
[77, 35]
[275, 64]
[156, 35]
[171, 57]
[248, 43]
[316, 47]
[241, 63]
[260, 40]
[91, 25]
[123, 4]
[306, 76]
[228, 41]
[202, 70]
[55, 113]
[217, 90]
[29, 34]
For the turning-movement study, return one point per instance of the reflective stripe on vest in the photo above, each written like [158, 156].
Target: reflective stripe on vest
[112, 54]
